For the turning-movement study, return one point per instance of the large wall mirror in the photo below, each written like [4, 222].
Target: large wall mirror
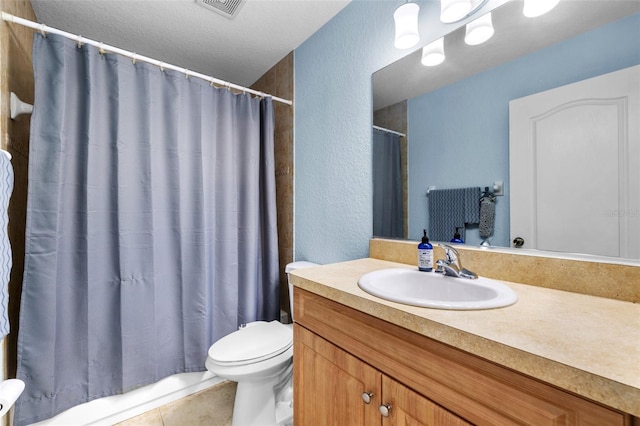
[451, 122]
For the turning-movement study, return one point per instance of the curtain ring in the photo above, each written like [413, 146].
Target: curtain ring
[186, 73]
[161, 65]
[227, 84]
[211, 82]
[101, 49]
[79, 41]
[42, 27]
[133, 58]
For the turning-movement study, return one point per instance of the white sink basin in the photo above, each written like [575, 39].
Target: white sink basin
[431, 290]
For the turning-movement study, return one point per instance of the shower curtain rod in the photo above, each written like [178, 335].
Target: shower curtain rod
[389, 131]
[135, 57]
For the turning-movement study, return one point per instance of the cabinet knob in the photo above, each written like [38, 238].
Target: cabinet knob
[385, 409]
[367, 397]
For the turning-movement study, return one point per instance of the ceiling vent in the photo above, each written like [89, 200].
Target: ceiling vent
[227, 8]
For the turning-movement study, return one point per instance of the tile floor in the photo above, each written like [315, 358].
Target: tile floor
[210, 407]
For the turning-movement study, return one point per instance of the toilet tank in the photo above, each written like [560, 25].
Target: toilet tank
[292, 267]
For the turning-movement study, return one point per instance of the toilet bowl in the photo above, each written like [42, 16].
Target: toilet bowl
[259, 358]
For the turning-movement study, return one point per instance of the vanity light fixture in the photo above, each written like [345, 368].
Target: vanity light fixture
[533, 8]
[479, 30]
[433, 53]
[406, 22]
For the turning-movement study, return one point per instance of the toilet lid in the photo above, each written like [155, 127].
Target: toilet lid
[258, 341]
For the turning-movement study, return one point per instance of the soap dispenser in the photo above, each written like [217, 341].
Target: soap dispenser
[456, 237]
[425, 254]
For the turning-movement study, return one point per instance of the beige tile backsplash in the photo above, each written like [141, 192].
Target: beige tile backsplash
[613, 281]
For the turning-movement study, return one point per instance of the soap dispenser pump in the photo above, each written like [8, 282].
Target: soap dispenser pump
[425, 254]
[456, 237]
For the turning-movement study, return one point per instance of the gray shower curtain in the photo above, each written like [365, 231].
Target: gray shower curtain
[388, 216]
[151, 225]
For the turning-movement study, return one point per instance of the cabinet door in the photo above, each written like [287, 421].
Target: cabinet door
[409, 408]
[329, 383]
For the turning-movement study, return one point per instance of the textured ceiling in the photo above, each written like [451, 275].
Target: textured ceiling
[183, 33]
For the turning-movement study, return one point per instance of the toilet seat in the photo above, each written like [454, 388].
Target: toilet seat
[258, 341]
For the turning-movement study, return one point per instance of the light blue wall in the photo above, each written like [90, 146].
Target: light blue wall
[464, 139]
[333, 119]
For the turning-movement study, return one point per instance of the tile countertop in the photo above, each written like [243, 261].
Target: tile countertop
[583, 344]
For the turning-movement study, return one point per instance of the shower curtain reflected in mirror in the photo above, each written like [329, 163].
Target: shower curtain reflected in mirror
[151, 225]
[388, 220]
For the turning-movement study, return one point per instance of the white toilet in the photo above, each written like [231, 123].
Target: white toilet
[259, 357]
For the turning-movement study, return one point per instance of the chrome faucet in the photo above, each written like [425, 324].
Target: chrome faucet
[452, 265]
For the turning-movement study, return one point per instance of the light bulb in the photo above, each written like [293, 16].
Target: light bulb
[406, 20]
[433, 53]
[479, 30]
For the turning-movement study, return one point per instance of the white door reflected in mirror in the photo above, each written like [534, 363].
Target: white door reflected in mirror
[573, 186]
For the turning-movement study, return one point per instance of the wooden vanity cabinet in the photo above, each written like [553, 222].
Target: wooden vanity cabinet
[336, 388]
[341, 354]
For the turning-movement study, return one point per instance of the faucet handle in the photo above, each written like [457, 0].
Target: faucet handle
[453, 265]
[451, 253]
